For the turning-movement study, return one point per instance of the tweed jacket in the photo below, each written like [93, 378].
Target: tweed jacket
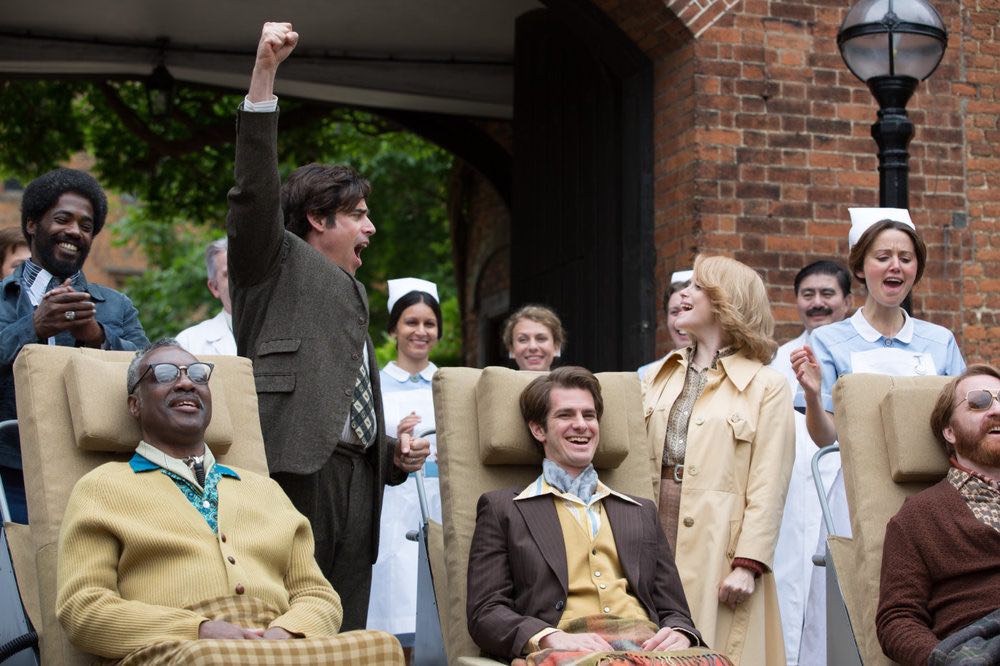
[115, 313]
[299, 317]
[518, 576]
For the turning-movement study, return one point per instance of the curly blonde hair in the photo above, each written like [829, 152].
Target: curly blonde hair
[739, 303]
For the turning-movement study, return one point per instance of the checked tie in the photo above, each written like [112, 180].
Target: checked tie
[363, 408]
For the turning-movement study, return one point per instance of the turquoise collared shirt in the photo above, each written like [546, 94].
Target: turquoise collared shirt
[204, 500]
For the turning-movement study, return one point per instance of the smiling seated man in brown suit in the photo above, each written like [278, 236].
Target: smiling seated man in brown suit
[567, 553]
[175, 558]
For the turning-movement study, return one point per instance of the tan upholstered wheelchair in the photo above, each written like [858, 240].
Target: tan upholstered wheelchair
[484, 445]
[71, 406]
[888, 452]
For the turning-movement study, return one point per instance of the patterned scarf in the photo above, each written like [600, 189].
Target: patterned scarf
[583, 486]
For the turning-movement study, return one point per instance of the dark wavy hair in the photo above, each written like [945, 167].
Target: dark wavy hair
[42, 193]
[326, 189]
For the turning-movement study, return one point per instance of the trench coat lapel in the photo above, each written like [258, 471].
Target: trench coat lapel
[540, 517]
[664, 392]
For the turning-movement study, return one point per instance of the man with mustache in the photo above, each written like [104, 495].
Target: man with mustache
[302, 317]
[822, 296]
[160, 555]
[941, 558]
[48, 300]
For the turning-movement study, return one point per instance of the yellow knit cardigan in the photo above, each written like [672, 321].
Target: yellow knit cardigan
[133, 553]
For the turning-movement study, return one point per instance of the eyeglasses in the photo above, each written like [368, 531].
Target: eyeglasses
[167, 373]
[980, 399]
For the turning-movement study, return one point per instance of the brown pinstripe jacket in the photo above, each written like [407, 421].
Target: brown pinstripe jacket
[518, 580]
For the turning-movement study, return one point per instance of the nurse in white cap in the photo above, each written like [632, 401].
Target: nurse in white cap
[889, 257]
[407, 402]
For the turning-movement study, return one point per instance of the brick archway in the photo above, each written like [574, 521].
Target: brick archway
[699, 15]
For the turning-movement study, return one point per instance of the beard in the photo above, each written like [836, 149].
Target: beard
[978, 445]
[45, 245]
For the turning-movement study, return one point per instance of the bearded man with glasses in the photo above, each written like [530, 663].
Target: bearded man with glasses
[163, 555]
[940, 588]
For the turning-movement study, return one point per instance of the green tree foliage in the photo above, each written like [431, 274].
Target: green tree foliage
[178, 166]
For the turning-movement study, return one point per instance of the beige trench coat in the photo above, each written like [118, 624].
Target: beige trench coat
[740, 450]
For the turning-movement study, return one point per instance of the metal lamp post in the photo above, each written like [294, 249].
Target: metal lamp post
[892, 45]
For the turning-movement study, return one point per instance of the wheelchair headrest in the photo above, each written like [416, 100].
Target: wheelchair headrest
[97, 402]
[914, 453]
[504, 438]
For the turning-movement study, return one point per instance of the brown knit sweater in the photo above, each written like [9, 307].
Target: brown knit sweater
[940, 572]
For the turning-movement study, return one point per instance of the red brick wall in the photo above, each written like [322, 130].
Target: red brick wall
[762, 143]
[978, 94]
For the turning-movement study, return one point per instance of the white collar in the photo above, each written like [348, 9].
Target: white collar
[220, 326]
[869, 334]
[175, 465]
[402, 376]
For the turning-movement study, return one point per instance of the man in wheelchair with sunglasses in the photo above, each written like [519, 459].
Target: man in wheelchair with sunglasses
[161, 554]
[939, 599]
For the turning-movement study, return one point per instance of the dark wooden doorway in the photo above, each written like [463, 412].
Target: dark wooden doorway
[582, 227]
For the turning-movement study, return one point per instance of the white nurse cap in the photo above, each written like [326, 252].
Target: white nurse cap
[681, 276]
[402, 286]
[863, 218]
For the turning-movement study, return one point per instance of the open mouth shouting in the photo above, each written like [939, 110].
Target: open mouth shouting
[358, 249]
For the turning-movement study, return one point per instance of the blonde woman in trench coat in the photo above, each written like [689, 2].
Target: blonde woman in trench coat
[728, 458]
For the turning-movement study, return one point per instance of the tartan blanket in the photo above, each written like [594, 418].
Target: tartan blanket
[352, 647]
[978, 644]
[626, 636]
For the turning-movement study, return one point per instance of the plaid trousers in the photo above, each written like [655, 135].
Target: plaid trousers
[352, 647]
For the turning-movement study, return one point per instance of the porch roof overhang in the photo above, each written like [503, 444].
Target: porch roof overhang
[434, 56]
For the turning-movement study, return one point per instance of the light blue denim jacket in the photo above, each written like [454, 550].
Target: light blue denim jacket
[115, 313]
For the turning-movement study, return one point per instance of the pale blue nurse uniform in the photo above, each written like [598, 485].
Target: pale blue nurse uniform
[392, 606]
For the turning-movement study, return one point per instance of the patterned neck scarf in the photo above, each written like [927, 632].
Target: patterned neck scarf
[981, 494]
[583, 486]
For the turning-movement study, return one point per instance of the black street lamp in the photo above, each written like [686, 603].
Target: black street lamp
[892, 45]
